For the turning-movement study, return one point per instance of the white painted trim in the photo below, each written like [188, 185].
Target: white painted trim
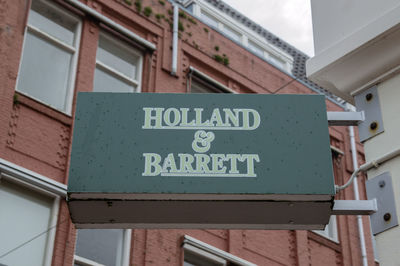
[116, 74]
[330, 232]
[109, 22]
[74, 50]
[32, 178]
[51, 235]
[139, 67]
[210, 80]
[204, 254]
[126, 248]
[85, 262]
[51, 39]
[188, 240]
[246, 34]
[42, 185]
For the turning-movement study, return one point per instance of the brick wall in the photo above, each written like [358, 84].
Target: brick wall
[38, 137]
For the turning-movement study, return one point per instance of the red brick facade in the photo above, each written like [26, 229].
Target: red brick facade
[38, 137]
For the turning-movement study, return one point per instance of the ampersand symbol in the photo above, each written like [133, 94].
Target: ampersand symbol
[202, 141]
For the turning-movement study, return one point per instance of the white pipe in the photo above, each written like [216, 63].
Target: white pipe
[175, 41]
[112, 24]
[126, 247]
[357, 197]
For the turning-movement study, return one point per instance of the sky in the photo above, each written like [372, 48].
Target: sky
[290, 20]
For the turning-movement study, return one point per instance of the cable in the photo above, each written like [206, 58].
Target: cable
[288, 83]
[365, 167]
[33, 238]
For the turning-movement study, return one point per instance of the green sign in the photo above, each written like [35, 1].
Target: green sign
[200, 147]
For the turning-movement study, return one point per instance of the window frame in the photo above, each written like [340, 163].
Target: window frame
[42, 185]
[212, 253]
[125, 251]
[30, 29]
[136, 84]
[331, 230]
[206, 81]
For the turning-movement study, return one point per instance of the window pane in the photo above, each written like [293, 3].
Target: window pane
[209, 20]
[103, 246]
[44, 71]
[117, 57]
[232, 33]
[106, 82]
[199, 86]
[23, 215]
[52, 22]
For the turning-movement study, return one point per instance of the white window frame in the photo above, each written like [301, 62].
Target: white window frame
[115, 73]
[126, 247]
[43, 185]
[72, 49]
[217, 86]
[331, 231]
[211, 253]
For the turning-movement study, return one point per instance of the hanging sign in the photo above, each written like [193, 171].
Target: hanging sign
[200, 161]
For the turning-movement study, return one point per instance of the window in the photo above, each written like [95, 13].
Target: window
[231, 33]
[26, 213]
[198, 253]
[199, 86]
[330, 231]
[49, 57]
[118, 66]
[102, 247]
[202, 83]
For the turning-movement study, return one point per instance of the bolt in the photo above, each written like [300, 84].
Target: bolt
[382, 183]
[387, 217]
[112, 221]
[373, 126]
[368, 97]
[109, 203]
[291, 221]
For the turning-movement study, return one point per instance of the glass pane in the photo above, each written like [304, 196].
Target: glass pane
[209, 20]
[231, 33]
[117, 57]
[52, 22]
[105, 82]
[255, 48]
[199, 87]
[44, 71]
[23, 215]
[194, 260]
[103, 246]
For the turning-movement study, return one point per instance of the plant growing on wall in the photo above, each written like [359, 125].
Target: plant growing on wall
[147, 11]
[138, 5]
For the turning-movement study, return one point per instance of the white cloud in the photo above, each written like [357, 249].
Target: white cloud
[289, 20]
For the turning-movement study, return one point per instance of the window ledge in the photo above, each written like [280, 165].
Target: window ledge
[330, 243]
[44, 109]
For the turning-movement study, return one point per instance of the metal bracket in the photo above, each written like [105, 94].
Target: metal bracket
[368, 101]
[354, 207]
[345, 118]
[380, 188]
